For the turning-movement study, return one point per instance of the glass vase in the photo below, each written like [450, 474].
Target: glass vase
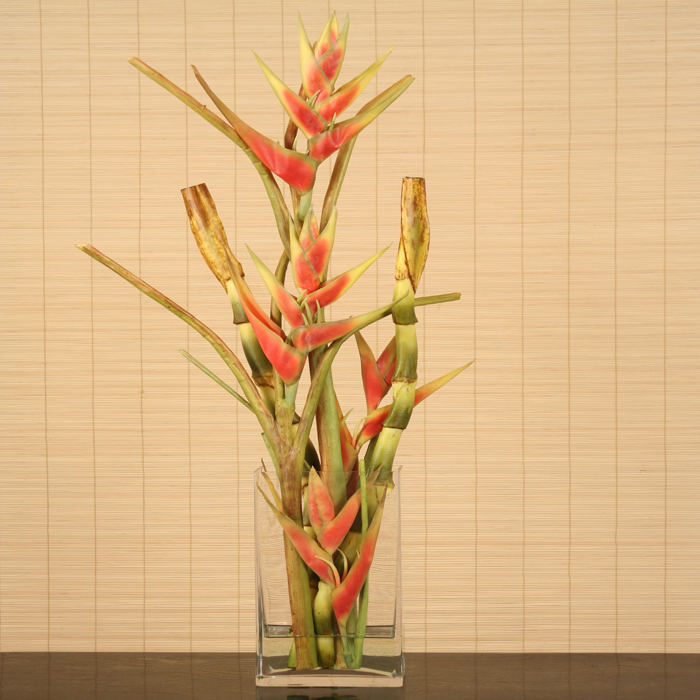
[369, 658]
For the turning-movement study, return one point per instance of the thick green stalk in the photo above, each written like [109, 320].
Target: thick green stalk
[361, 625]
[328, 429]
[300, 602]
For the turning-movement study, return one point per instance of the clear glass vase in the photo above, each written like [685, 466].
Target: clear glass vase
[370, 659]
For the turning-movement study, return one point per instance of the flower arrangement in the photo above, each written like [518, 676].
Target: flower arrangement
[331, 495]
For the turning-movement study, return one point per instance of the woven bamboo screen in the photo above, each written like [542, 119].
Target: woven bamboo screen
[550, 494]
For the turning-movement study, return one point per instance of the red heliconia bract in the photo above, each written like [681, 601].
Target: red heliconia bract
[314, 557]
[313, 78]
[344, 595]
[321, 510]
[307, 119]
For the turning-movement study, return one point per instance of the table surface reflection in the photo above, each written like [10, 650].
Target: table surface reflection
[153, 676]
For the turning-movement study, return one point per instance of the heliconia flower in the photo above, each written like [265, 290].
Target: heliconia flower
[295, 168]
[344, 595]
[327, 142]
[288, 354]
[372, 423]
[314, 557]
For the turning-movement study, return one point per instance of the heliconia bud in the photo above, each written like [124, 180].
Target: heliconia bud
[312, 76]
[321, 510]
[415, 231]
[296, 169]
[343, 97]
[372, 423]
[335, 288]
[299, 112]
[327, 142]
[284, 300]
[209, 232]
[344, 595]
[314, 557]
[373, 382]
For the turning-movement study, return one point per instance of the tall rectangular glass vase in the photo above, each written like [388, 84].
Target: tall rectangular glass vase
[368, 652]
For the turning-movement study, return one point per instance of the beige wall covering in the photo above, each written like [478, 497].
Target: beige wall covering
[551, 494]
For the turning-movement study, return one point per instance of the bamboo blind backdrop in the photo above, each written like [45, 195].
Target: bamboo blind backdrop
[550, 493]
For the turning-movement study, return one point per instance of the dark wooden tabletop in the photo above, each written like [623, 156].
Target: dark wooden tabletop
[132, 676]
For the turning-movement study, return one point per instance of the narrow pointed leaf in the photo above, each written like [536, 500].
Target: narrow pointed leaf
[314, 557]
[312, 75]
[229, 357]
[373, 382]
[321, 511]
[345, 95]
[286, 301]
[297, 109]
[294, 168]
[327, 142]
[340, 167]
[344, 595]
[372, 424]
[217, 379]
[313, 336]
[279, 207]
[335, 288]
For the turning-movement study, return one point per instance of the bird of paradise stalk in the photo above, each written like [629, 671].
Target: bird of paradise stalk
[331, 497]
